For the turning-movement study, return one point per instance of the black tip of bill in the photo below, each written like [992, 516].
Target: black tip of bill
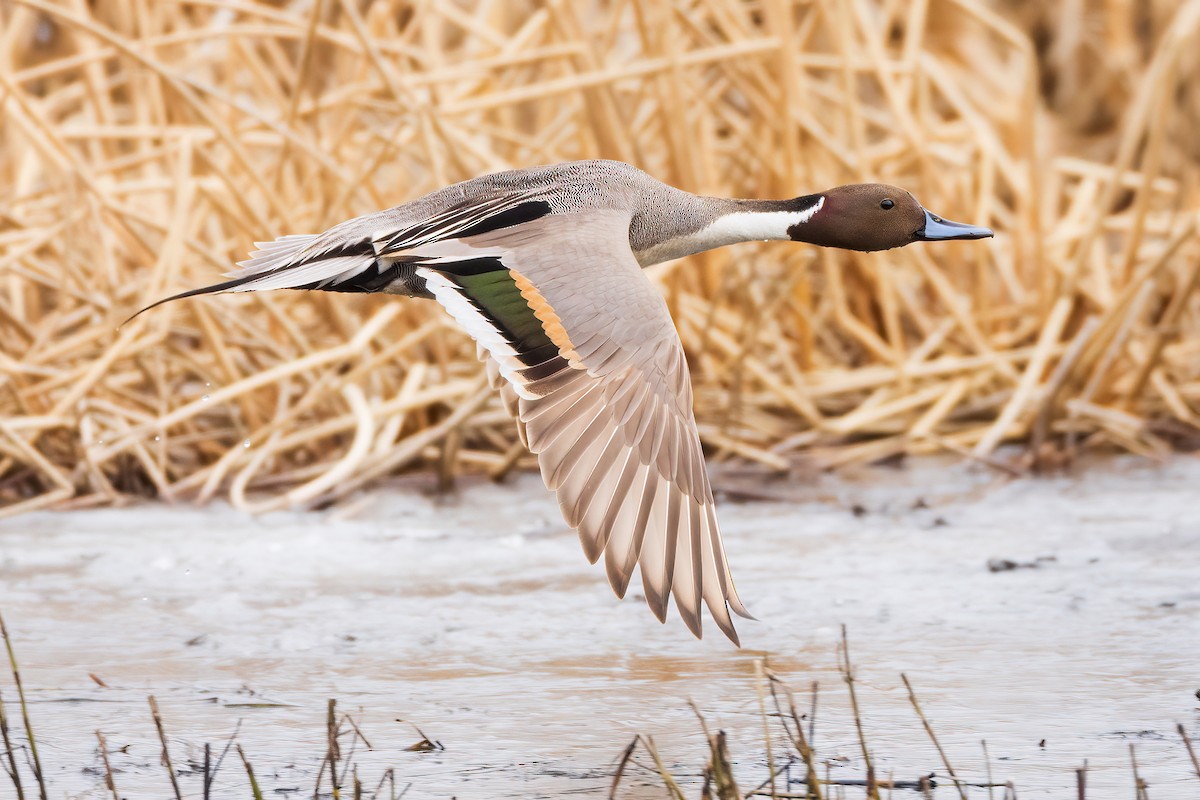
[937, 229]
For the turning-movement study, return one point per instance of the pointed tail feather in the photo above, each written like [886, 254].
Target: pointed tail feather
[223, 286]
[285, 264]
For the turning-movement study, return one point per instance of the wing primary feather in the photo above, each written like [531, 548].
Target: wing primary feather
[713, 587]
[597, 524]
[686, 587]
[616, 510]
[576, 451]
[727, 585]
[579, 497]
[545, 434]
[622, 554]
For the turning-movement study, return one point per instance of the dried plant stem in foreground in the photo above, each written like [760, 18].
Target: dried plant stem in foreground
[210, 767]
[912, 697]
[165, 756]
[109, 782]
[30, 739]
[847, 670]
[10, 768]
[718, 775]
[143, 151]
[254, 789]
[1187, 742]
[816, 787]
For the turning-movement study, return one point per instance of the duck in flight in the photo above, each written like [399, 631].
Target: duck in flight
[543, 268]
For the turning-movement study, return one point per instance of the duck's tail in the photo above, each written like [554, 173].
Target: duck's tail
[288, 263]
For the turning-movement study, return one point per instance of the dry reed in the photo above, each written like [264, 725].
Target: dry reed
[339, 728]
[780, 782]
[144, 146]
[336, 771]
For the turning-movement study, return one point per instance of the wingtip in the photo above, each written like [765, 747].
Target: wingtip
[616, 579]
[735, 605]
[657, 603]
[591, 549]
[691, 618]
[731, 634]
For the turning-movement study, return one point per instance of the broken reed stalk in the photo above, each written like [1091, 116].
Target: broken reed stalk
[11, 767]
[255, 791]
[347, 759]
[1187, 742]
[802, 743]
[849, 357]
[812, 715]
[332, 752]
[36, 762]
[109, 782]
[622, 762]
[668, 779]
[912, 697]
[363, 737]
[848, 676]
[987, 763]
[389, 775]
[1081, 782]
[721, 769]
[165, 756]
[210, 777]
[1139, 785]
[207, 774]
[719, 772]
[759, 681]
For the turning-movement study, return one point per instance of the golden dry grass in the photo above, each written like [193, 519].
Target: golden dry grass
[145, 145]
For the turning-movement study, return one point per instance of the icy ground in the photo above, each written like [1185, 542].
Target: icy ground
[478, 619]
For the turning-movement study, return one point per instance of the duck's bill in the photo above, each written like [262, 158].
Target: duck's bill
[939, 230]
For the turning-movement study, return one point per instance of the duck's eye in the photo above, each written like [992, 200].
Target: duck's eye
[886, 204]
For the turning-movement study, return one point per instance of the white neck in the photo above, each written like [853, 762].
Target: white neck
[731, 228]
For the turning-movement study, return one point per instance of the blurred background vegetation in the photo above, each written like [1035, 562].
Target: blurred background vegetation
[145, 145]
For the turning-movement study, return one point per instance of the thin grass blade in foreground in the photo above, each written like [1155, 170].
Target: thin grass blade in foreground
[719, 770]
[30, 739]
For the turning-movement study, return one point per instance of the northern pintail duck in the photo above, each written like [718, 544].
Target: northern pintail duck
[543, 268]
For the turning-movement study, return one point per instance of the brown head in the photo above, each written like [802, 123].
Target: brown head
[875, 216]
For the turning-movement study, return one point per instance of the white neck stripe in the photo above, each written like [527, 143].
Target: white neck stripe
[737, 226]
[748, 226]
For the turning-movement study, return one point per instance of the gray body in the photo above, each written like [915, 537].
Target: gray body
[662, 219]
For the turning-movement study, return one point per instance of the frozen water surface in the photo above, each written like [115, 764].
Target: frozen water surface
[477, 618]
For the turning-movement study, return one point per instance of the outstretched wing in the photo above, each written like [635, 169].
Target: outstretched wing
[591, 363]
[587, 345]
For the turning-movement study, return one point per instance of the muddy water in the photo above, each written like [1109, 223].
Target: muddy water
[478, 620]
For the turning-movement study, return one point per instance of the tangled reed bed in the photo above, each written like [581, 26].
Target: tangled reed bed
[145, 146]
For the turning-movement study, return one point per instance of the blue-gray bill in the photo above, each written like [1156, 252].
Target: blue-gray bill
[937, 229]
